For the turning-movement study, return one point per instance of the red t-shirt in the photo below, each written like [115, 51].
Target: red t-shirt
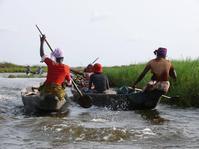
[57, 73]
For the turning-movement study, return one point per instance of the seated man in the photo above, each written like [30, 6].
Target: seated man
[161, 69]
[88, 71]
[98, 81]
[57, 72]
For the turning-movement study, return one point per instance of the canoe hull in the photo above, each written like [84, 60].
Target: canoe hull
[133, 101]
[34, 103]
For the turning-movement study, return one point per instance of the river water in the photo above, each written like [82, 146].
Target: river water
[97, 128]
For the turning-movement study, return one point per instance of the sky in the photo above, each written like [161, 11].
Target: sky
[119, 32]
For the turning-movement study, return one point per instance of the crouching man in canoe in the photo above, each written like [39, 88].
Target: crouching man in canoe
[161, 69]
[57, 73]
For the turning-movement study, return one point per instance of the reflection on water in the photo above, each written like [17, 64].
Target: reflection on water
[165, 127]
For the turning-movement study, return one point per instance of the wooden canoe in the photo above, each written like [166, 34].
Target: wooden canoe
[36, 104]
[132, 101]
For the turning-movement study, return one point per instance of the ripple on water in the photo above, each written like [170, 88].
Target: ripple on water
[76, 132]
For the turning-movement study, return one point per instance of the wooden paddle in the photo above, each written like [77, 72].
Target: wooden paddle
[168, 97]
[95, 60]
[45, 39]
[84, 100]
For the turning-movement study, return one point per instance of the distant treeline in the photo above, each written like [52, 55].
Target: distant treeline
[6, 67]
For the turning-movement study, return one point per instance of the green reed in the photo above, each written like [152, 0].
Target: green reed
[186, 86]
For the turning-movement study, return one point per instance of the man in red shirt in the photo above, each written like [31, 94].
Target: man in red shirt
[57, 72]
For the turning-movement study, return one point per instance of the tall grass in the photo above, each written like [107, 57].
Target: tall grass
[186, 86]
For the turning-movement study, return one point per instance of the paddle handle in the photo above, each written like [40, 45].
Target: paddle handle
[45, 39]
[78, 90]
[95, 60]
[168, 97]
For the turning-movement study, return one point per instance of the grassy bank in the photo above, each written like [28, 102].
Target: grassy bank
[9, 67]
[186, 86]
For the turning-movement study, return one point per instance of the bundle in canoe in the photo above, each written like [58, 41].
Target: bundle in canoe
[34, 103]
[136, 100]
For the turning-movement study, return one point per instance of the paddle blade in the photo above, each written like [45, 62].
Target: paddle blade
[175, 97]
[172, 97]
[85, 101]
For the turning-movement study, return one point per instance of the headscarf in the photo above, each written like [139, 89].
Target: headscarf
[97, 68]
[161, 52]
[57, 53]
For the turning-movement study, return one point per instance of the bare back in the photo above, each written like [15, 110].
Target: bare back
[160, 68]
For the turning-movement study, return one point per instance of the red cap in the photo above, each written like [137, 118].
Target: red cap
[97, 68]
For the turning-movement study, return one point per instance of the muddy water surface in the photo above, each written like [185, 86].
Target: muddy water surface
[165, 127]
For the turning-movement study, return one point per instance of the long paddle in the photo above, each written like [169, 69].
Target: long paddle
[84, 100]
[45, 39]
[168, 97]
[95, 60]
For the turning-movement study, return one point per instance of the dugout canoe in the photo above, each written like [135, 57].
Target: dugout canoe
[36, 104]
[131, 101]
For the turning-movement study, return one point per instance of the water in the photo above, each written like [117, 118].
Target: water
[165, 127]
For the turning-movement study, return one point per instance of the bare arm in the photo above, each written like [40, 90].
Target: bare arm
[146, 69]
[42, 38]
[173, 73]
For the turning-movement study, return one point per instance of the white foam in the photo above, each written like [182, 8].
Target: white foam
[148, 131]
[99, 120]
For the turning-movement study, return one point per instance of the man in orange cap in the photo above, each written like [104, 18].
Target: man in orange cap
[98, 80]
